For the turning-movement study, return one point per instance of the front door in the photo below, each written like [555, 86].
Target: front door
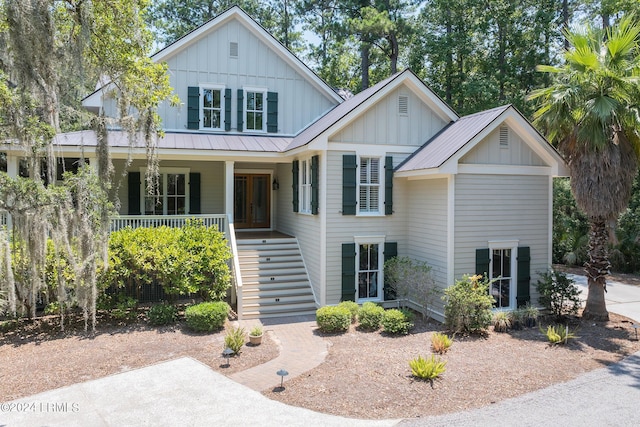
[252, 197]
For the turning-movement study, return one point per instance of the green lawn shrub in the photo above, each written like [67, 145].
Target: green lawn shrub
[440, 343]
[333, 318]
[468, 305]
[235, 339]
[207, 316]
[370, 316]
[162, 314]
[353, 309]
[558, 294]
[397, 322]
[427, 369]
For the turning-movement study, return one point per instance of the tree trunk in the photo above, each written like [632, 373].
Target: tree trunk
[364, 59]
[597, 269]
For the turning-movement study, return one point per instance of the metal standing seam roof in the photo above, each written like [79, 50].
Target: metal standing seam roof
[182, 141]
[450, 140]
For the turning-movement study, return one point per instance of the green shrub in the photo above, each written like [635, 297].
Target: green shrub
[353, 309]
[234, 339]
[162, 314]
[468, 305]
[427, 369]
[126, 308]
[502, 321]
[558, 334]
[558, 294]
[440, 343]
[333, 318]
[207, 316]
[396, 322]
[185, 260]
[407, 280]
[370, 316]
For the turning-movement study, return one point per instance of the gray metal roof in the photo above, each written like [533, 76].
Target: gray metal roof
[183, 141]
[449, 140]
[338, 112]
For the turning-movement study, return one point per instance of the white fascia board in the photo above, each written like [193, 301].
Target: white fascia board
[200, 155]
[417, 174]
[371, 149]
[493, 169]
[258, 31]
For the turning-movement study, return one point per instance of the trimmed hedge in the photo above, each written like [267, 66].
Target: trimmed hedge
[333, 318]
[207, 316]
[370, 316]
[353, 309]
[162, 314]
[397, 321]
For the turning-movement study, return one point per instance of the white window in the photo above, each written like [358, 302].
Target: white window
[369, 185]
[255, 109]
[369, 266]
[212, 108]
[502, 270]
[172, 197]
[305, 186]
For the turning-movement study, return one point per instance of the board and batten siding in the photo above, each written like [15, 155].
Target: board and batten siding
[207, 61]
[383, 123]
[426, 228]
[211, 182]
[502, 207]
[489, 151]
[305, 227]
[342, 228]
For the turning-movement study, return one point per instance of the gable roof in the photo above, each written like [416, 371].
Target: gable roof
[449, 140]
[348, 107]
[234, 12]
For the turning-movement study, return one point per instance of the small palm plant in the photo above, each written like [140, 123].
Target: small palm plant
[427, 369]
[440, 342]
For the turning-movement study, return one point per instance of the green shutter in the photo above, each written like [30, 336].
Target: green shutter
[388, 185]
[315, 178]
[482, 261]
[348, 272]
[133, 183]
[524, 275]
[349, 190]
[272, 112]
[194, 193]
[295, 171]
[193, 107]
[240, 110]
[227, 109]
[390, 251]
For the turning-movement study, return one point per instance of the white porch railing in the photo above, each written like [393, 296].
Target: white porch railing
[136, 221]
[236, 276]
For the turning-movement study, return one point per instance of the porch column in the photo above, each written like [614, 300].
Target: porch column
[228, 188]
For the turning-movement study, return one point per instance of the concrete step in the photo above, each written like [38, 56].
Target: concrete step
[282, 278]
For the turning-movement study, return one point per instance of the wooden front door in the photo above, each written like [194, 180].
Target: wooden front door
[252, 196]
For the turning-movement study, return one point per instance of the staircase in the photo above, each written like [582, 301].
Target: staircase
[274, 279]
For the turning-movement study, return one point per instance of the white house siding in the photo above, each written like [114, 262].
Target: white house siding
[211, 182]
[382, 123]
[502, 207]
[343, 228]
[207, 61]
[426, 227]
[489, 151]
[305, 227]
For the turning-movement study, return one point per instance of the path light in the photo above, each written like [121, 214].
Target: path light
[226, 353]
[282, 373]
[636, 326]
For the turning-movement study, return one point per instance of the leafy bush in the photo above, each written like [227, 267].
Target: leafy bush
[333, 318]
[126, 308]
[188, 260]
[353, 309]
[410, 280]
[162, 314]
[256, 331]
[440, 343]
[397, 321]
[207, 316]
[558, 334]
[427, 369]
[370, 316]
[468, 305]
[502, 321]
[234, 339]
[558, 294]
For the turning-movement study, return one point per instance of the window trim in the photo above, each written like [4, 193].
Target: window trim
[201, 88]
[380, 210]
[513, 284]
[370, 240]
[305, 166]
[163, 172]
[245, 100]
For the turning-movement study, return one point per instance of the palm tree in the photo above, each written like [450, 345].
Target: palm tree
[591, 111]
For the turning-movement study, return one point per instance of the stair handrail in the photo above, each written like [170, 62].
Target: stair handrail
[237, 276]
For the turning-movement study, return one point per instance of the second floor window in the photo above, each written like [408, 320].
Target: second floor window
[369, 199]
[255, 110]
[212, 110]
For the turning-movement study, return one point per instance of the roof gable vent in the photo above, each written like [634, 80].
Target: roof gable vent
[504, 137]
[233, 49]
[403, 105]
